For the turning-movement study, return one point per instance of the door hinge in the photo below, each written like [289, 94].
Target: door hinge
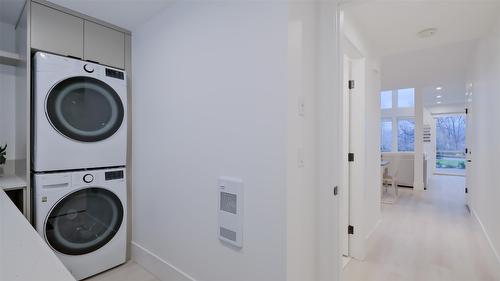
[351, 84]
[350, 229]
[466, 190]
[466, 150]
[466, 111]
[335, 190]
[350, 157]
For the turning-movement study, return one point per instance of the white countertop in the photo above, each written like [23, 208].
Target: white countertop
[11, 182]
[24, 256]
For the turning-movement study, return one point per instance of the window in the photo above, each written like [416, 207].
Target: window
[406, 134]
[406, 98]
[386, 99]
[397, 108]
[386, 135]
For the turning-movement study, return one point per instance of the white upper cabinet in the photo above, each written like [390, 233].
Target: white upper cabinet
[104, 45]
[55, 31]
[61, 33]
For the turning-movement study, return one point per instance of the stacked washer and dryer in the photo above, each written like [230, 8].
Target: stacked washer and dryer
[79, 143]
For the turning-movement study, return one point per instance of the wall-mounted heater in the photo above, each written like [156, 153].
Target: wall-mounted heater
[231, 211]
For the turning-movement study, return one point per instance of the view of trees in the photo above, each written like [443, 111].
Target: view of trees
[406, 135]
[450, 133]
[450, 142]
[386, 136]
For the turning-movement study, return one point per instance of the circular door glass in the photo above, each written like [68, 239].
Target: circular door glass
[84, 221]
[85, 109]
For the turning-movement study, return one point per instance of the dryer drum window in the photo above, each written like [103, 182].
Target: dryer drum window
[85, 109]
[84, 221]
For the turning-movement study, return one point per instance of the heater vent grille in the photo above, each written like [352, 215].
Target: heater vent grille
[228, 234]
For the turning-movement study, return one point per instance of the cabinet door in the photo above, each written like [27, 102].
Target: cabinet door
[55, 31]
[104, 45]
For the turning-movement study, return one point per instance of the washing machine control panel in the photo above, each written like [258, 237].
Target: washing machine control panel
[88, 178]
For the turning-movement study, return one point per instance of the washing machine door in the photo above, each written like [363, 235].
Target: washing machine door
[84, 221]
[84, 109]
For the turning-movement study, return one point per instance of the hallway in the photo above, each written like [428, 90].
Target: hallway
[427, 236]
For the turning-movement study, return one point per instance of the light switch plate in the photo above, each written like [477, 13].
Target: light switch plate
[300, 158]
[301, 106]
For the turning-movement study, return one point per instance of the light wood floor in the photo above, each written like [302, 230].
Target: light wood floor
[427, 236]
[130, 271]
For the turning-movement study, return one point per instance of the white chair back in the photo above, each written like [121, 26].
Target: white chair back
[395, 167]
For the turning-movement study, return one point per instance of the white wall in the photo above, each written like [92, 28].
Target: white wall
[7, 34]
[210, 98]
[329, 124]
[216, 92]
[485, 144]
[450, 108]
[8, 92]
[418, 174]
[365, 117]
[430, 147]
[427, 69]
[372, 143]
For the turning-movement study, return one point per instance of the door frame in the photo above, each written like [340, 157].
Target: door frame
[346, 135]
[434, 165]
[351, 174]
[329, 124]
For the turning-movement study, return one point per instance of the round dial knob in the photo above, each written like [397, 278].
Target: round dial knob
[88, 178]
[88, 68]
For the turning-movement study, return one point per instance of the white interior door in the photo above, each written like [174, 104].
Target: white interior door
[344, 203]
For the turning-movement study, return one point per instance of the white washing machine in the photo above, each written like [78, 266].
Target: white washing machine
[79, 114]
[82, 216]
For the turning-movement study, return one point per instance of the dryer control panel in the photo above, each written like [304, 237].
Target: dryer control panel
[114, 73]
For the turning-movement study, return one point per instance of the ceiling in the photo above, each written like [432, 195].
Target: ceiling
[123, 13]
[427, 69]
[10, 10]
[392, 26]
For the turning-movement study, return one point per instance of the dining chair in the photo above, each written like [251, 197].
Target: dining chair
[390, 180]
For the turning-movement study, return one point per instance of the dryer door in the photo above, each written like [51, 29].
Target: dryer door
[84, 221]
[84, 109]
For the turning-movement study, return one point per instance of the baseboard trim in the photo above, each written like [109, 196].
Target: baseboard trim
[369, 241]
[474, 214]
[156, 265]
[449, 174]
[369, 234]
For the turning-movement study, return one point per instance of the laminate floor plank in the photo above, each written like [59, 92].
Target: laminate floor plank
[427, 236]
[130, 271]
